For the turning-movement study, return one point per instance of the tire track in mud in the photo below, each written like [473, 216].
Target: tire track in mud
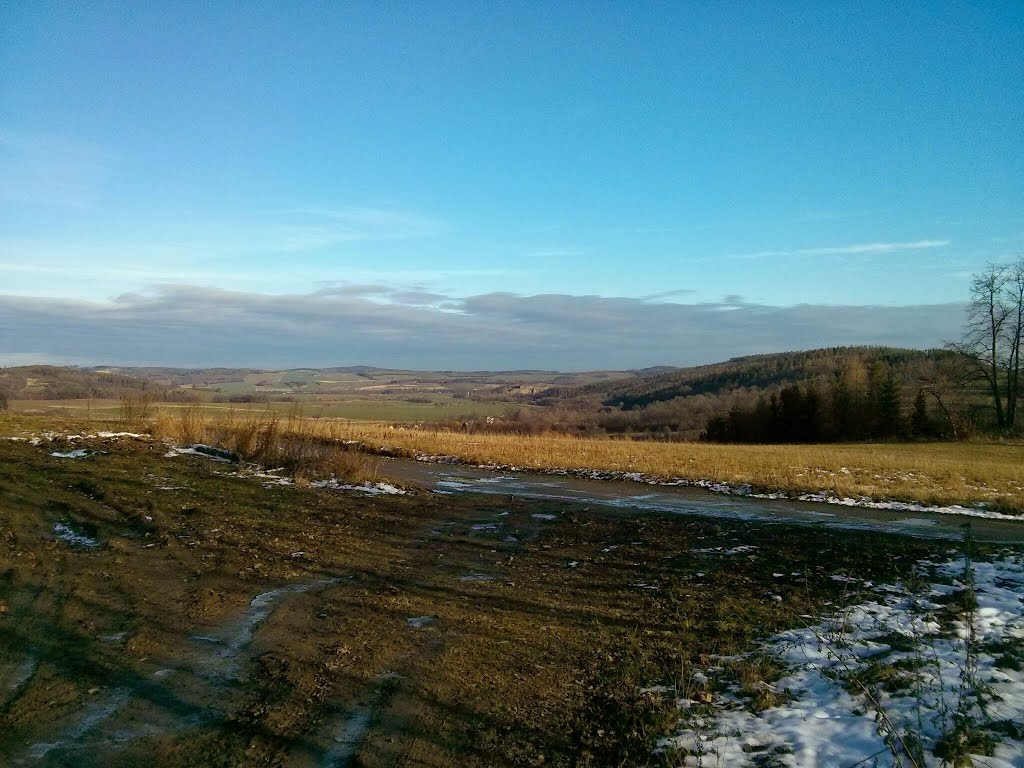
[224, 661]
[16, 680]
[169, 701]
[351, 728]
[340, 739]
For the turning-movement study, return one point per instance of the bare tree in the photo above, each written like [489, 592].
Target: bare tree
[1015, 330]
[991, 344]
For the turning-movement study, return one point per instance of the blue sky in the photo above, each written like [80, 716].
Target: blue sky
[427, 163]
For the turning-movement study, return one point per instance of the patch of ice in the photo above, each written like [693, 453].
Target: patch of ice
[95, 713]
[68, 534]
[543, 516]
[418, 622]
[739, 550]
[77, 453]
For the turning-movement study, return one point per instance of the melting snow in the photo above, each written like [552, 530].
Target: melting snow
[200, 449]
[823, 722]
[375, 489]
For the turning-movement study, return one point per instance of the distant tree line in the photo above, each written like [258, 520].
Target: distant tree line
[857, 405]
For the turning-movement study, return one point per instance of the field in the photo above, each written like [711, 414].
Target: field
[392, 410]
[175, 611]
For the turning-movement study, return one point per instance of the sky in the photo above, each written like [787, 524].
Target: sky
[518, 185]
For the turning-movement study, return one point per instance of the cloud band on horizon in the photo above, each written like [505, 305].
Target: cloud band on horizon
[178, 325]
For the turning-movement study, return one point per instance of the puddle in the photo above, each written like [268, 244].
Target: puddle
[418, 622]
[476, 577]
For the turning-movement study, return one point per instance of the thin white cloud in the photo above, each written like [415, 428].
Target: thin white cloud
[556, 253]
[847, 250]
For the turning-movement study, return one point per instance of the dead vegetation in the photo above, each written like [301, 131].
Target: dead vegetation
[302, 447]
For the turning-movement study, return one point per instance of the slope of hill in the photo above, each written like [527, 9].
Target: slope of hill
[681, 402]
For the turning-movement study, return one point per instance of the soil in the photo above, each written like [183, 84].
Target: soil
[165, 611]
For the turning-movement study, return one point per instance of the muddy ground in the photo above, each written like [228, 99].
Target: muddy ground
[165, 612]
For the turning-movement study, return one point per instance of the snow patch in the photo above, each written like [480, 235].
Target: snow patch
[374, 489]
[933, 676]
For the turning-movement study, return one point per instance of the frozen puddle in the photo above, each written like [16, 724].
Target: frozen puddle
[476, 577]
[70, 536]
[854, 686]
[232, 638]
[616, 489]
[95, 713]
[12, 679]
[917, 521]
[418, 622]
[350, 730]
[77, 453]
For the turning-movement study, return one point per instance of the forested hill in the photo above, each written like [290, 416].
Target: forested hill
[681, 402]
[752, 372]
[53, 382]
